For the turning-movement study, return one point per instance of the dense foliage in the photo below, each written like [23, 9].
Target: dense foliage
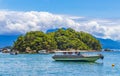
[60, 39]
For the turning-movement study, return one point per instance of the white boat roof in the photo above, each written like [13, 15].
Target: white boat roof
[73, 51]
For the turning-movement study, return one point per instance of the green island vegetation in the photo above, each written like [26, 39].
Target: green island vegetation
[58, 40]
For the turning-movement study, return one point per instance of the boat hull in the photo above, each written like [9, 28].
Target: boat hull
[76, 58]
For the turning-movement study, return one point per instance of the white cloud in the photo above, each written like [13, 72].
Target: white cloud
[12, 22]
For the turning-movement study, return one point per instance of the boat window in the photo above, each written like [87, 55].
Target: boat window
[76, 52]
[69, 52]
[64, 53]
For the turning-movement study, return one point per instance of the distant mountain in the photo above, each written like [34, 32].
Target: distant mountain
[7, 40]
[53, 30]
[108, 43]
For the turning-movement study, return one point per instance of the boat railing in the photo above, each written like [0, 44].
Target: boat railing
[76, 53]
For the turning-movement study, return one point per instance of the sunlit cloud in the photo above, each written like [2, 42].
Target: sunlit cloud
[14, 22]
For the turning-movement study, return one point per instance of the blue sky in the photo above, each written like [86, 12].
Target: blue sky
[88, 8]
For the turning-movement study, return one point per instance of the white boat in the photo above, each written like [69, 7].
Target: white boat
[13, 52]
[76, 56]
[42, 52]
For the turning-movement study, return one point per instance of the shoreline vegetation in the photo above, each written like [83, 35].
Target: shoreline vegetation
[62, 39]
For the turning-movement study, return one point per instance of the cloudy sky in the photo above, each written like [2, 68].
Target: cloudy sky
[98, 17]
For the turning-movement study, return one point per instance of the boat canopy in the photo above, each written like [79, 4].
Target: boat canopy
[74, 51]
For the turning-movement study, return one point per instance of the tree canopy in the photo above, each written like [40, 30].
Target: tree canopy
[60, 39]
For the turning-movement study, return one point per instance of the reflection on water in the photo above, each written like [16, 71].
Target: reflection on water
[44, 65]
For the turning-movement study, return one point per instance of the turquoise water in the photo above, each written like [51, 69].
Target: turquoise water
[44, 65]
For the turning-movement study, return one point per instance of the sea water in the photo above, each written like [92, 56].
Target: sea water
[44, 65]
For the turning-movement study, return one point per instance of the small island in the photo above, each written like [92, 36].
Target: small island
[108, 50]
[62, 39]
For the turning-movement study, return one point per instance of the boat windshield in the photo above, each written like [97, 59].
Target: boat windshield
[77, 53]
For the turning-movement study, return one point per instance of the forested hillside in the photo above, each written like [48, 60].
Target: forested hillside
[60, 39]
